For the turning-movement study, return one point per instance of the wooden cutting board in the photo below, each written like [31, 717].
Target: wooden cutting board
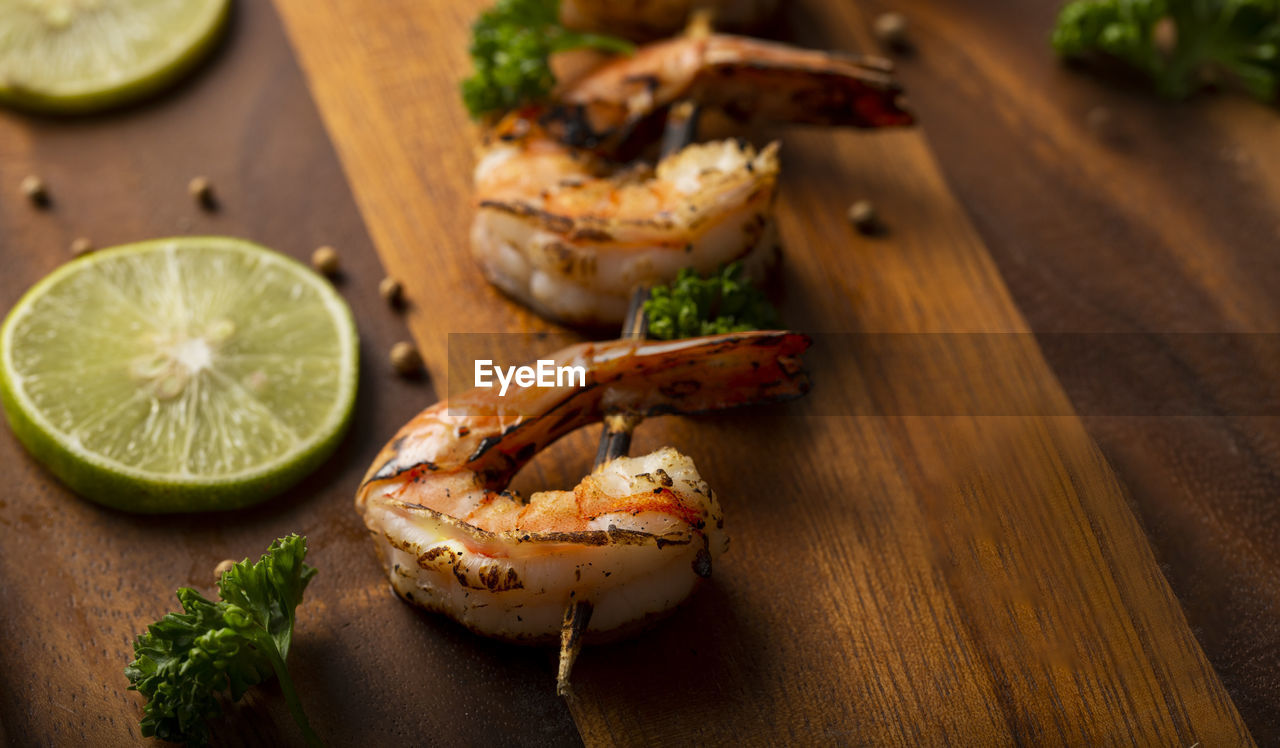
[892, 579]
[1111, 210]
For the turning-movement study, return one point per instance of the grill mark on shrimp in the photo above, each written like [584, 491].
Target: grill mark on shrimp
[489, 576]
[611, 536]
[570, 262]
[570, 227]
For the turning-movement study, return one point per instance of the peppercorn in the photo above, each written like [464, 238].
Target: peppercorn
[405, 359]
[201, 189]
[862, 214]
[325, 261]
[891, 29]
[81, 246]
[222, 568]
[391, 291]
[35, 191]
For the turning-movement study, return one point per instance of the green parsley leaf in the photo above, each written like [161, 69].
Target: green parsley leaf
[511, 47]
[1236, 39]
[186, 659]
[721, 303]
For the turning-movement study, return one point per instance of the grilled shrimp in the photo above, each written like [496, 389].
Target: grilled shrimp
[570, 234]
[648, 19]
[630, 541]
[748, 79]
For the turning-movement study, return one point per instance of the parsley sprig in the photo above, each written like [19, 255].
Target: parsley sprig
[186, 659]
[1238, 38]
[693, 306]
[511, 47]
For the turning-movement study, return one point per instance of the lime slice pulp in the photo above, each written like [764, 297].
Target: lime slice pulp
[180, 374]
[85, 55]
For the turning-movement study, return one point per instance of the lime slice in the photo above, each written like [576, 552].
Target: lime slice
[85, 55]
[179, 374]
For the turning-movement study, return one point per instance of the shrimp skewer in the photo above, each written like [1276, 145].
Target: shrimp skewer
[632, 539]
[565, 230]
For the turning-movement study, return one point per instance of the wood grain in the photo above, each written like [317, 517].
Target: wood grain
[1110, 211]
[78, 582]
[893, 579]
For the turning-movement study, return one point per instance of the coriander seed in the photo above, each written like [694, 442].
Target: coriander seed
[201, 190]
[81, 246]
[862, 214]
[891, 29]
[391, 291]
[35, 191]
[405, 359]
[325, 261]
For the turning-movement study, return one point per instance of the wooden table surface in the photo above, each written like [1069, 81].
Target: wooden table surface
[1163, 220]
[905, 579]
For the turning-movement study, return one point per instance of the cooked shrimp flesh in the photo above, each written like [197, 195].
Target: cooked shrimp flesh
[571, 235]
[632, 539]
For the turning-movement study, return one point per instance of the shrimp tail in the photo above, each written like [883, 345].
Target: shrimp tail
[625, 102]
[645, 378]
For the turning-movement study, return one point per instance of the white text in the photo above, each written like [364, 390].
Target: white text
[544, 373]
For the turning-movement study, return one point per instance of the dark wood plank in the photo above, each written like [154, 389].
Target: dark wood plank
[893, 579]
[1157, 218]
[77, 582]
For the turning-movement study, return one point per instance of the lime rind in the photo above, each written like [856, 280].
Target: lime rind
[124, 486]
[86, 94]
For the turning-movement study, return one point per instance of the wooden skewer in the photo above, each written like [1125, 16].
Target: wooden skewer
[576, 618]
[681, 129]
[615, 439]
